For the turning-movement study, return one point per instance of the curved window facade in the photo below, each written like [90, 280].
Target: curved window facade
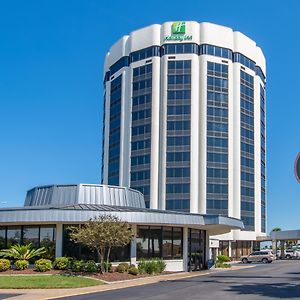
[217, 138]
[247, 150]
[141, 130]
[178, 135]
[184, 48]
[114, 131]
[215, 51]
[180, 48]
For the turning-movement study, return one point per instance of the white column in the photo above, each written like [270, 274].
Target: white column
[233, 109]
[163, 133]
[133, 247]
[125, 135]
[185, 249]
[59, 240]
[155, 125]
[194, 176]
[229, 249]
[235, 200]
[202, 134]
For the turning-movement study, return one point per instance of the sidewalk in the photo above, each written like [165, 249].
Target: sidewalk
[45, 294]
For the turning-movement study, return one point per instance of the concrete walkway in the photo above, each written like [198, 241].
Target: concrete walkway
[38, 294]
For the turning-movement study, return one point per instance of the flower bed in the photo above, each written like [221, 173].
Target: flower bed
[109, 276]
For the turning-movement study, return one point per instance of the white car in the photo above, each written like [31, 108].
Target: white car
[289, 253]
[296, 254]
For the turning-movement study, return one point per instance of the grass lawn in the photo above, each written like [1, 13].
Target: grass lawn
[45, 282]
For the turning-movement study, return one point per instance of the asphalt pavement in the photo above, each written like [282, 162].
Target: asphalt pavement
[278, 280]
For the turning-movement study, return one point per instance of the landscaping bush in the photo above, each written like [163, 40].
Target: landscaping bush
[4, 264]
[77, 265]
[161, 265]
[21, 264]
[43, 265]
[121, 268]
[153, 266]
[125, 265]
[61, 263]
[142, 266]
[221, 261]
[223, 258]
[108, 267]
[219, 264]
[133, 270]
[90, 266]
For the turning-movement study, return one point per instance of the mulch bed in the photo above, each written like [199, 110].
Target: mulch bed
[110, 277]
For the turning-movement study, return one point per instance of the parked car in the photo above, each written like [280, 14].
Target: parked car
[288, 254]
[296, 254]
[266, 256]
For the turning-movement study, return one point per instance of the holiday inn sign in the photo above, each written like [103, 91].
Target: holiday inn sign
[178, 33]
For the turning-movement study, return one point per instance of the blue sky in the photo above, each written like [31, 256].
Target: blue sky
[51, 59]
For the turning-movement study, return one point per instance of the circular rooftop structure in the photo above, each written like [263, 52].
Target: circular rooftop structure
[94, 194]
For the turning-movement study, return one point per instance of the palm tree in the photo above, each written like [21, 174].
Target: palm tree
[22, 252]
[276, 229]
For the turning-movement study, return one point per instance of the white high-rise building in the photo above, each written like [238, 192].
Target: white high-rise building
[184, 123]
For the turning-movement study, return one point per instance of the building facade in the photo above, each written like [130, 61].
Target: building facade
[184, 122]
[179, 238]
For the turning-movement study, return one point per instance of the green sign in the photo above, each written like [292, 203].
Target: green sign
[178, 28]
[178, 33]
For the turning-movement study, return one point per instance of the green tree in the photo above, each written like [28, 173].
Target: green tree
[276, 229]
[102, 234]
[22, 252]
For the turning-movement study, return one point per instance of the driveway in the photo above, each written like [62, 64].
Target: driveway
[279, 280]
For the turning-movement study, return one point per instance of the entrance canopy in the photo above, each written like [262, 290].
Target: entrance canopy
[285, 235]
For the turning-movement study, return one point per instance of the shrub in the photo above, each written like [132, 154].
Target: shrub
[142, 266]
[107, 266]
[126, 266]
[90, 266]
[43, 265]
[49, 253]
[219, 264]
[133, 270]
[77, 265]
[4, 265]
[223, 258]
[61, 263]
[161, 265]
[121, 268]
[22, 252]
[21, 264]
[153, 266]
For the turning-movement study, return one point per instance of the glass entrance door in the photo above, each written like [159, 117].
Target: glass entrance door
[196, 250]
